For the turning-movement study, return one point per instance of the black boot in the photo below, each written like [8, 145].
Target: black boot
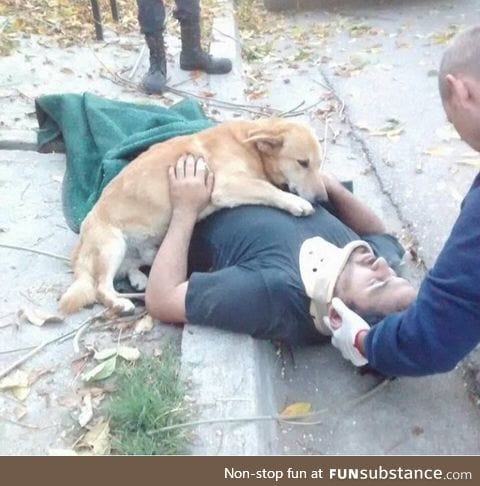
[155, 80]
[193, 57]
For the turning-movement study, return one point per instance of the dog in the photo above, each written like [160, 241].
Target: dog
[251, 160]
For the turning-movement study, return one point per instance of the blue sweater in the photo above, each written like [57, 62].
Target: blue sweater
[443, 325]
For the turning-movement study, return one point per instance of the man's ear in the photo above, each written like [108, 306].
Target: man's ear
[457, 88]
[334, 317]
[265, 141]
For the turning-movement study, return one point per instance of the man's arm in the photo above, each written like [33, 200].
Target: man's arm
[190, 190]
[350, 210]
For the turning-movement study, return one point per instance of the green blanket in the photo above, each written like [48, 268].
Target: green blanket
[102, 136]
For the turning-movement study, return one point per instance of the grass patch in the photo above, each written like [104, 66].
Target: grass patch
[149, 396]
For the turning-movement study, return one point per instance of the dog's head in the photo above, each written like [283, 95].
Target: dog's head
[291, 156]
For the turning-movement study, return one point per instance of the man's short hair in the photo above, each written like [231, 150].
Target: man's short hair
[462, 57]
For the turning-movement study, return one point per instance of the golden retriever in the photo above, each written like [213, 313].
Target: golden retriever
[251, 160]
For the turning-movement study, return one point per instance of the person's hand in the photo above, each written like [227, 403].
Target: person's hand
[191, 185]
[345, 330]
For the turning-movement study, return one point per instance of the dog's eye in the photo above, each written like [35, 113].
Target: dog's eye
[304, 163]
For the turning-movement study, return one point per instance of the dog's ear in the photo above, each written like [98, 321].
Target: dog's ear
[266, 141]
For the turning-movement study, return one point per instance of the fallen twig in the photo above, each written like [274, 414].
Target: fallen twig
[38, 348]
[229, 36]
[17, 350]
[295, 108]
[227, 105]
[292, 420]
[132, 318]
[21, 424]
[8, 324]
[340, 113]
[32, 250]
[78, 335]
[23, 95]
[348, 404]
[137, 62]
[305, 110]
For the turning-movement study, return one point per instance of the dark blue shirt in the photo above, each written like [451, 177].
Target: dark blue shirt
[443, 325]
[244, 271]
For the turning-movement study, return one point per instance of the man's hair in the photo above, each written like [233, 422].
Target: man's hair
[462, 57]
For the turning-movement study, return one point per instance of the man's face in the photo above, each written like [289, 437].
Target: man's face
[372, 287]
[462, 108]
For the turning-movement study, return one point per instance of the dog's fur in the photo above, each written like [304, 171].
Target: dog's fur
[251, 161]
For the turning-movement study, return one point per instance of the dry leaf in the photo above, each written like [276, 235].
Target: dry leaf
[13, 380]
[16, 383]
[446, 36]
[128, 354]
[38, 317]
[438, 151]
[145, 324]
[20, 392]
[20, 411]
[346, 70]
[79, 364]
[471, 154]
[207, 94]
[105, 354]
[34, 375]
[360, 59]
[401, 44]
[447, 133]
[298, 408]
[470, 162]
[97, 391]
[86, 412]
[98, 438]
[19, 382]
[361, 29]
[392, 129]
[101, 371]
[71, 400]
[125, 352]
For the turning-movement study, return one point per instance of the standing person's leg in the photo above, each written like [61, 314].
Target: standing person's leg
[192, 56]
[151, 16]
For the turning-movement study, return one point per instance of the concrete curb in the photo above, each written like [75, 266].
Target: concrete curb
[18, 140]
[225, 371]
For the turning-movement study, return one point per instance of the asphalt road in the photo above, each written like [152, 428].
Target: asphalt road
[389, 134]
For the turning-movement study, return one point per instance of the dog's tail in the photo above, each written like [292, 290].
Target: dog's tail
[82, 292]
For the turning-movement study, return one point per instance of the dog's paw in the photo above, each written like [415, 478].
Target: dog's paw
[123, 307]
[299, 206]
[138, 280]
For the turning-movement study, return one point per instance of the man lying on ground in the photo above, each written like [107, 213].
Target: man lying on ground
[264, 272]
